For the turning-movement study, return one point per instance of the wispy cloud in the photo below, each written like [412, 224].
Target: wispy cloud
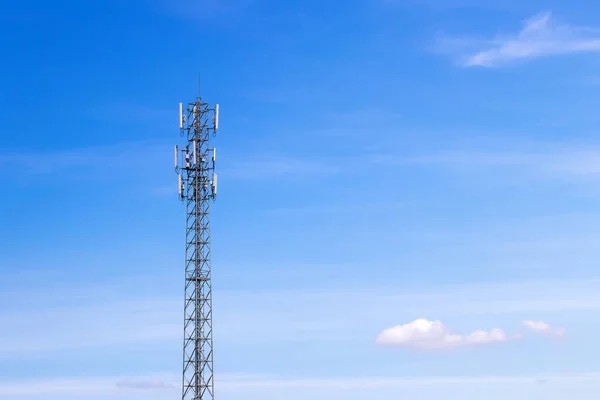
[540, 36]
[207, 11]
[150, 157]
[145, 384]
[544, 328]
[344, 208]
[115, 387]
[379, 382]
[232, 383]
[127, 111]
[100, 325]
[275, 166]
[551, 162]
[121, 156]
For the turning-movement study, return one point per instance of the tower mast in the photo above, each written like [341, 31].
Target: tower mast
[197, 187]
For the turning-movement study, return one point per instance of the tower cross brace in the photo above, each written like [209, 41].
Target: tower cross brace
[197, 187]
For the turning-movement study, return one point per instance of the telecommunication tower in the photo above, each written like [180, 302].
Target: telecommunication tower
[197, 187]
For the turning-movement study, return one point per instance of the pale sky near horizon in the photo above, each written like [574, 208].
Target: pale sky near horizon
[408, 198]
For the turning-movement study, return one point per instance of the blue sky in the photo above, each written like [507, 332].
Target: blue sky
[407, 197]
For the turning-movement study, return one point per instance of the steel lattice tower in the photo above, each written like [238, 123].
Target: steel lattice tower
[197, 185]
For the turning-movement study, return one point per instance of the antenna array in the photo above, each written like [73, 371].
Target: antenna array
[197, 187]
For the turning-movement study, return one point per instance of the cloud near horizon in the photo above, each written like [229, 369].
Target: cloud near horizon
[94, 387]
[540, 36]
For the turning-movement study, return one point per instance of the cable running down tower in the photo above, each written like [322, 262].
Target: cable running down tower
[197, 187]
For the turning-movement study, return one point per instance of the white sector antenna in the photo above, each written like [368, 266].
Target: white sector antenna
[214, 183]
[214, 157]
[194, 159]
[179, 184]
[216, 117]
[181, 115]
[176, 156]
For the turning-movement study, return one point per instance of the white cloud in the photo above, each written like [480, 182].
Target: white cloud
[424, 334]
[544, 328]
[434, 335]
[541, 36]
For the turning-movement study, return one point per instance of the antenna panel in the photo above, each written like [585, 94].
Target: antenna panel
[197, 187]
[214, 157]
[180, 115]
[194, 158]
[216, 117]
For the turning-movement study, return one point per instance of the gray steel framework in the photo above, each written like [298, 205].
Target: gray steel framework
[197, 188]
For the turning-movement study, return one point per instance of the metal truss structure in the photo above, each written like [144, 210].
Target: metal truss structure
[197, 187]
